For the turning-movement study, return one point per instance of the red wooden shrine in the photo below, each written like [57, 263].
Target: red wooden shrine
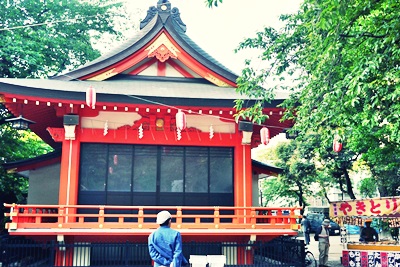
[119, 157]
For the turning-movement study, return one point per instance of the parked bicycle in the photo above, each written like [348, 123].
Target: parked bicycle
[310, 260]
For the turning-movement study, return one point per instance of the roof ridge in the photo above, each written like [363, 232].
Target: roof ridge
[164, 11]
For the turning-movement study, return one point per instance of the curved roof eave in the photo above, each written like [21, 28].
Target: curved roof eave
[33, 163]
[266, 168]
[142, 38]
[121, 52]
[122, 91]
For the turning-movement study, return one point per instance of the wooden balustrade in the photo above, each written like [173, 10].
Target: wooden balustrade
[144, 217]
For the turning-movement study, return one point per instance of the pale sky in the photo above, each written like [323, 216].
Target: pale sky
[219, 30]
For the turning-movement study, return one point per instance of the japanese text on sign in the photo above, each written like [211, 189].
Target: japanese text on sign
[366, 207]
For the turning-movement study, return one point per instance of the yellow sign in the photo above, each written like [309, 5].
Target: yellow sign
[384, 207]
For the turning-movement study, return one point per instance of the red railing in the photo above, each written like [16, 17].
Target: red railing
[143, 217]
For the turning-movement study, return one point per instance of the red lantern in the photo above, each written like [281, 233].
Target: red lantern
[91, 97]
[180, 120]
[337, 145]
[264, 133]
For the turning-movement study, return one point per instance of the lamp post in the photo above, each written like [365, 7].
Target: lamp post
[70, 122]
[290, 134]
[247, 128]
[18, 123]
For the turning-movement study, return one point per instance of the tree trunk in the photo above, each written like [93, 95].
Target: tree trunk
[349, 184]
[300, 196]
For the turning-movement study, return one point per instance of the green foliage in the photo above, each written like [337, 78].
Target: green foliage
[367, 187]
[274, 189]
[39, 39]
[341, 61]
[16, 145]
[299, 172]
[310, 169]
[44, 38]
[211, 3]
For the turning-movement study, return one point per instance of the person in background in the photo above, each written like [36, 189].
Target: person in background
[369, 234]
[306, 227]
[323, 242]
[165, 244]
[394, 232]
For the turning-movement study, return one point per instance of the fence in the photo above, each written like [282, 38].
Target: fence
[125, 218]
[24, 252]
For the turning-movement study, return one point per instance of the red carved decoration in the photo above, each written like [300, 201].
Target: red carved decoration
[162, 53]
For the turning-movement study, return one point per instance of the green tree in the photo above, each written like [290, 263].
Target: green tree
[310, 169]
[367, 187]
[16, 145]
[211, 3]
[299, 172]
[341, 61]
[41, 38]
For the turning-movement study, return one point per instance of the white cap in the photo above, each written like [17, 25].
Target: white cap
[163, 216]
[326, 222]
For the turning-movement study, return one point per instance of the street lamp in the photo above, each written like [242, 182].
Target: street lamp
[70, 123]
[247, 130]
[291, 134]
[19, 123]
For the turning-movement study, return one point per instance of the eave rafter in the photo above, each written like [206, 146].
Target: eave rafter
[64, 106]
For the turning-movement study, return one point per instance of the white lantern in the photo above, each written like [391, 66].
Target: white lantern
[180, 120]
[264, 134]
[91, 97]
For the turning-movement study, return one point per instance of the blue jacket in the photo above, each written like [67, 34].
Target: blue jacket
[165, 247]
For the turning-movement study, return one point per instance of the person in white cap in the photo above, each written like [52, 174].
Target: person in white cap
[165, 244]
[323, 242]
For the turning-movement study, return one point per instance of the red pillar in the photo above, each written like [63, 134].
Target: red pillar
[69, 174]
